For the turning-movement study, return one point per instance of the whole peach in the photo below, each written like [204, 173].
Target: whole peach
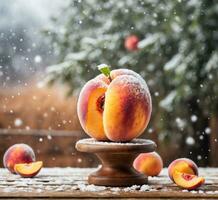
[116, 108]
[183, 165]
[131, 42]
[149, 164]
[17, 154]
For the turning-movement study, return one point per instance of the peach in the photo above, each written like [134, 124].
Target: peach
[187, 181]
[28, 170]
[18, 153]
[115, 106]
[149, 164]
[183, 165]
[131, 43]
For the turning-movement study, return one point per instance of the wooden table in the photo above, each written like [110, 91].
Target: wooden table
[66, 183]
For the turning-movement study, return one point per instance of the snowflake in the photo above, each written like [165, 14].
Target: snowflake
[40, 85]
[49, 137]
[190, 140]
[150, 130]
[194, 118]
[199, 157]
[180, 122]
[156, 94]
[210, 76]
[38, 59]
[207, 130]
[18, 122]
[201, 137]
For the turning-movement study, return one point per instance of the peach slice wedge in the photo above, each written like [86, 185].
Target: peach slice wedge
[28, 170]
[187, 181]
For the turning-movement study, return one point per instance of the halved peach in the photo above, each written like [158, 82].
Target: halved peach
[28, 170]
[115, 105]
[183, 165]
[187, 181]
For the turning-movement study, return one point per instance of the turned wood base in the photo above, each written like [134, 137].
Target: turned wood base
[117, 160]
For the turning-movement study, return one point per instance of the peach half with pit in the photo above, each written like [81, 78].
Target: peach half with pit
[115, 105]
[16, 154]
[149, 164]
[187, 181]
[28, 170]
[183, 165]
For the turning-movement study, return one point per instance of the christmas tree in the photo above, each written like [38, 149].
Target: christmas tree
[172, 44]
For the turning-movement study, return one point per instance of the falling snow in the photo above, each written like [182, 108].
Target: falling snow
[207, 130]
[201, 137]
[18, 122]
[194, 118]
[156, 94]
[37, 59]
[180, 122]
[190, 140]
[49, 137]
[199, 157]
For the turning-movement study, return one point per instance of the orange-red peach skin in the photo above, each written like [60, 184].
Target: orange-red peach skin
[16, 154]
[149, 164]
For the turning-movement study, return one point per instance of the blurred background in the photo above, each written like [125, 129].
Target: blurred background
[49, 50]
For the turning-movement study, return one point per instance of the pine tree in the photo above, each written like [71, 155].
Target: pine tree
[177, 54]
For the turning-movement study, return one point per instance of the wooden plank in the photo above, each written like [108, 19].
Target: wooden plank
[72, 183]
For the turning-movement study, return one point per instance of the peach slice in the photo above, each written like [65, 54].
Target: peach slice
[28, 170]
[187, 181]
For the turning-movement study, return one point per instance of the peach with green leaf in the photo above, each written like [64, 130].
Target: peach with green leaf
[115, 105]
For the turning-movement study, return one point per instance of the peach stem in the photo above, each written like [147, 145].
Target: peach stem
[105, 69]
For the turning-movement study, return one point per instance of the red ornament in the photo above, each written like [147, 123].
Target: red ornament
[131, 42]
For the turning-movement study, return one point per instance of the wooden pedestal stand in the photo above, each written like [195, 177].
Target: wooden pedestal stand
[117, 160]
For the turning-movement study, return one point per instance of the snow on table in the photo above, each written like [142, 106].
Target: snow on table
[72, 183]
